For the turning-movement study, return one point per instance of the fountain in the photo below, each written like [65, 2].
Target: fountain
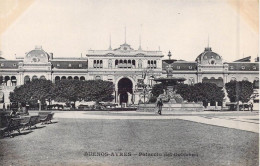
[171, 100]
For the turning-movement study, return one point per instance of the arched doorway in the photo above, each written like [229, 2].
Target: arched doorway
[125, 90]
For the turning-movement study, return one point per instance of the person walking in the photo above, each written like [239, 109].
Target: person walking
[159, 105]
[251, 106]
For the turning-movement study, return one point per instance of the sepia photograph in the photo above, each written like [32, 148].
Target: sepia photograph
[129, 82]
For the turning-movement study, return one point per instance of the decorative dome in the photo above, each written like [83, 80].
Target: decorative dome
[208, 57]
[38, 55]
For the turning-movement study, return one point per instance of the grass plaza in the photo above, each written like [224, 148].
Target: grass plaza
[134, 138]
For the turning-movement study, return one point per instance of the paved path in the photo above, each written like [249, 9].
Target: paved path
[247, 121]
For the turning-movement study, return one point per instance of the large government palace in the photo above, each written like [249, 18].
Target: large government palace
[125, 67]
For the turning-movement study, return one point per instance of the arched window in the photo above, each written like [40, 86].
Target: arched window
[98, 78]
[95, 64]
[125, 61]
[63, 78]
[205, 79]
[13, 80]
[101, 63]
[34, 77]
[82, 78]
[155, 64]
[129, 64]
[42, 78]
[69, 77]
[76, 78]
[26, 79]
[116, 62]
[7, 78]
[133, 62]
[57, 78]
[121, 61]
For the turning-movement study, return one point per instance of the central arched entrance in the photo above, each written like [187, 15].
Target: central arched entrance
[125, 90]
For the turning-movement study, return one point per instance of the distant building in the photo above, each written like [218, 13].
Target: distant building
[125, 67]
[209, 67]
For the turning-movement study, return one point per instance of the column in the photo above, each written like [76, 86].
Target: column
[115, 96]
[199, 78]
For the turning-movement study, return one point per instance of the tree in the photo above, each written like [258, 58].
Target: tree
[157, 89]
[185, 91]
[92, 90]
[208, 92]
[200, 92]
[232, 88]
[239, 91]
[246, 91]
[67, 91]
[63, 91]
[32, 92]
[98, 90]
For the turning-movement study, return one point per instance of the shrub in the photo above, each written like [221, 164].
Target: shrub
[152, 99]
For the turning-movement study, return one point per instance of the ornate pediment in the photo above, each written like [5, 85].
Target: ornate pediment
[124, 48]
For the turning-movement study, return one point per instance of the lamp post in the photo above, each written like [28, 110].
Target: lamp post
[144, 85]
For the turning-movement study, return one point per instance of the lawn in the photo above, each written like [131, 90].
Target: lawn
[119, 142]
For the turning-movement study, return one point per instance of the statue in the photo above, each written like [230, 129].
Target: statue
[171, 96]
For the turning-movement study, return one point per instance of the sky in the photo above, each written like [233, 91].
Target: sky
[184, 27]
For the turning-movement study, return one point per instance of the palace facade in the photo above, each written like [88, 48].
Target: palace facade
[125, 67]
